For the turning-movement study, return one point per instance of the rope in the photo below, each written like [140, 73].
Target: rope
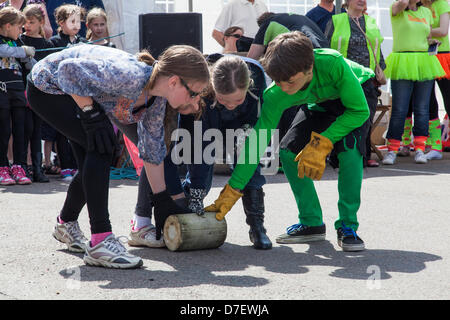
[124, 172]
[89, 42]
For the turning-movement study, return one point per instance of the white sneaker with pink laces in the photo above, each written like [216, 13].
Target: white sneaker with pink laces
[18, 174]
[5, 178]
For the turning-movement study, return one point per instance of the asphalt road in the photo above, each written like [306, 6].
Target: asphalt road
[404, 221]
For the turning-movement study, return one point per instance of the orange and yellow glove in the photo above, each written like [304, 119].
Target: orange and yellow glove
[312, 159]
[227, 198]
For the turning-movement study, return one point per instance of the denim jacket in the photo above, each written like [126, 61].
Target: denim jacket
[113, 78]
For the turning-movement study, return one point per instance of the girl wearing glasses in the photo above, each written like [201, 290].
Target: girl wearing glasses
[233, 102]
[77, 91]
[231, 36]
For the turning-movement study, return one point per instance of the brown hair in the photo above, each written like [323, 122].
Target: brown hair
[183, 61]
[35, 11]
[93, 14]
[232, 30]
[62, 13]
[287, 55]
[229, 74]
[11, 15]
[264, 17]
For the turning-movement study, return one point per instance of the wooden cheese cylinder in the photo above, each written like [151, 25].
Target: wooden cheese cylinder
[193, 232]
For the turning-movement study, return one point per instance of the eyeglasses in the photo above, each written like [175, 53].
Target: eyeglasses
[192, 94]
[237, 36]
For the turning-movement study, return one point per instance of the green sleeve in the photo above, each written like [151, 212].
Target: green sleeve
[352, 97]
[275, 102]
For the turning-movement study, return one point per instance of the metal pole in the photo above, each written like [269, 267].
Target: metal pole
[338, 6]
[191, 6]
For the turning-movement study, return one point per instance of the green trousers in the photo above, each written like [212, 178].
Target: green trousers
[349, 188]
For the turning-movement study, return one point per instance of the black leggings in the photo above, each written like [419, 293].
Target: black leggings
[90, 185]
[15, 116]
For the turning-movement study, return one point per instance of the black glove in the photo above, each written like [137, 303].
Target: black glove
[99, 130]
[164, 207]
[196, 197]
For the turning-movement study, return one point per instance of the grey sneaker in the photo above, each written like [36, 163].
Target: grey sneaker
[420, 157]
[404, 151]
[70, 234]
[389, 158]
[434, 155]
[110, 253]
[299, 233]
[145, 236]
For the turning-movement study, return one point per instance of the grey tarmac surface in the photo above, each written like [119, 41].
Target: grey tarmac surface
[404, 221]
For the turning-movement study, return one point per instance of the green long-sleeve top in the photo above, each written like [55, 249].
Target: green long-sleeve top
[334, 77]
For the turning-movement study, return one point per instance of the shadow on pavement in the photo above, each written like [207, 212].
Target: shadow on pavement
[193, 268]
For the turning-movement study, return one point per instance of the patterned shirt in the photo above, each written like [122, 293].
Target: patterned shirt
[113, 78]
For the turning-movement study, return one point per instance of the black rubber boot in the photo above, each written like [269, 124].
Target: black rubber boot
[253, 201]
[38, 175]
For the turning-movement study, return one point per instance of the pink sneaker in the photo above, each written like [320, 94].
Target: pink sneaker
[5, 178]
[18, 174]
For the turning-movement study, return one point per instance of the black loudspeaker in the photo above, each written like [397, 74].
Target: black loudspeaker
[157, 31]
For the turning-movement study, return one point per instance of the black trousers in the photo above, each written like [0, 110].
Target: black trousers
[91, 184]
[13, 120]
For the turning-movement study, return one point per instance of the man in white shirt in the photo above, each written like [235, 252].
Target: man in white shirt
[240, 13]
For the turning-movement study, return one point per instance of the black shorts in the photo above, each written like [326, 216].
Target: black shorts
[12, 98]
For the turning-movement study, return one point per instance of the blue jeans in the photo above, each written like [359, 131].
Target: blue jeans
[404, 91]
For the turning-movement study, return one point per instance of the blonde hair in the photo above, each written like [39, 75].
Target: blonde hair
[62, 13]
[12, 16]
[95, 13]
[35, 11]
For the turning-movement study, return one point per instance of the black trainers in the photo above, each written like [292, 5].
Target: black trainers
[348, 240]
[299, 233]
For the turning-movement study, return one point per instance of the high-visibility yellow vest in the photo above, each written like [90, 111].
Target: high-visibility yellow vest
[341, 36]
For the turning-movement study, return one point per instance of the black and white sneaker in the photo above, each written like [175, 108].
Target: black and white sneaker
[300, 233]
[348, 240]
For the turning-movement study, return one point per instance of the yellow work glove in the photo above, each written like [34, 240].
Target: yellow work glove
[227, 198]
[312, 159]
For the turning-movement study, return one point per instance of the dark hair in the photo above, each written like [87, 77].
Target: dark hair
[264, 17]
[287, 55]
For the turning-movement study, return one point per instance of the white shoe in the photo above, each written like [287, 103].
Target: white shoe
[420, 157]
[434, 155]
[389, 158]
[70, 234]
[145, 236]
[111, 253]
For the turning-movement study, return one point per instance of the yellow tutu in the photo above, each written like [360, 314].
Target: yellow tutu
[415, 66]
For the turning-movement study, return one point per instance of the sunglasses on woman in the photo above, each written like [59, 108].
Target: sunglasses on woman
[237, 36]
[192, 94]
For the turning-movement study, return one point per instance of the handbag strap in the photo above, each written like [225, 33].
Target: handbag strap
[356, 21]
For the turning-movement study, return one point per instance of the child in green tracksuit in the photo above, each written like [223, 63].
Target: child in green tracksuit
[334, 117]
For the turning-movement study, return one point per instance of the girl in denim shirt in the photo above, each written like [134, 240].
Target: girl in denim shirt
[76, 90]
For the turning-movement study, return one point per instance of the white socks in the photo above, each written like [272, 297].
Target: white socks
[141, 222]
